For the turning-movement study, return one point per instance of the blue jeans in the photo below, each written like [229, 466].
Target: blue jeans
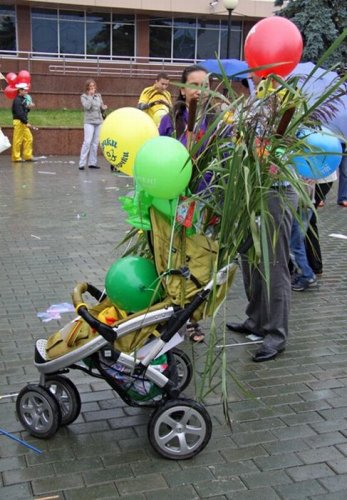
[297, 244]
[342, 192]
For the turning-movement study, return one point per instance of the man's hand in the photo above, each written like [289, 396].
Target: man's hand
[142, 106]
[32, 127]
[158, 102]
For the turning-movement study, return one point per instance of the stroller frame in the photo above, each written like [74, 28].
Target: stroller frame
[179, 428]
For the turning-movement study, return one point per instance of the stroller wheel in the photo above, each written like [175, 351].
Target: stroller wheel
[184, 368]
[67, 396]
[38, 411]
[180, 429]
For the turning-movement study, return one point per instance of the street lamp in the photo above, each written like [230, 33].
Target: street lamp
[230, 5]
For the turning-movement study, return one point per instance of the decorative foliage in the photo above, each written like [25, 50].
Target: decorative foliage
[249, 147]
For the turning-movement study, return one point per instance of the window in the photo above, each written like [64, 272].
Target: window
[99, 34]
[44, 30]
[7, 28]
[82, 33]
[208, 44]
[160, 38]
[191, 39]
[184, 37]
[71, 32]
[123, 36]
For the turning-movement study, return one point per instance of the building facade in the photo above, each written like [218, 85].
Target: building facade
[128, 40]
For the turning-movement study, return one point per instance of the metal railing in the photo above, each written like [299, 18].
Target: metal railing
[98, 65]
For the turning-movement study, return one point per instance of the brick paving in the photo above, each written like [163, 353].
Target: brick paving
[59, 226]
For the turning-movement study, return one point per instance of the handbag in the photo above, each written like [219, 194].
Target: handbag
[4, 142]
[103, 114]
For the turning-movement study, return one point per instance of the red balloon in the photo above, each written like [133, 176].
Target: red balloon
[23, 79]
[274, 40]
[23, 76]
[10, 92]
[11, 78]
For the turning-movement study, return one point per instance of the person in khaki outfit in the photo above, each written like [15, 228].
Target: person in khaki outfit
[22, 136]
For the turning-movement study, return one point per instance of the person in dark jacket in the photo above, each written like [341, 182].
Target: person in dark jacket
[22, 136]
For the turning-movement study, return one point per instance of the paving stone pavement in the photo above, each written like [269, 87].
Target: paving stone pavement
[59, 226]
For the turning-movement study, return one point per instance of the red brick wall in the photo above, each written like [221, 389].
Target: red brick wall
[53, 141]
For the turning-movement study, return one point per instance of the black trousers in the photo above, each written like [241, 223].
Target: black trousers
[313, 250]
[269, 303]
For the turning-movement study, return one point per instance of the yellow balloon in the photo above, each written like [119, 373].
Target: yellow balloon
[122, 135]
[159, 113]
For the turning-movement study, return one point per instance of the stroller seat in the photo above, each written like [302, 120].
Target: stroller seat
[78, 340]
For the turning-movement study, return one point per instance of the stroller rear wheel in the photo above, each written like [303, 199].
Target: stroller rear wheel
[38, 411]
[67, 395]
[180, 429]
[184, 368]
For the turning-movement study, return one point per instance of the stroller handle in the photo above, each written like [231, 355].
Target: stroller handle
[77, 293]
[82, 288]
[82, 309]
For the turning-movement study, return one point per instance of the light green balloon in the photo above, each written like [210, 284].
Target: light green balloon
[166, 207]
[163, 167]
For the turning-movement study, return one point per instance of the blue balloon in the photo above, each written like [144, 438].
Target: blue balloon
[317, 166]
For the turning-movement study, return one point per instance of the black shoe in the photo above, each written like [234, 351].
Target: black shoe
[80, 168]
[240, 328]
[93, 166]
[266, 353]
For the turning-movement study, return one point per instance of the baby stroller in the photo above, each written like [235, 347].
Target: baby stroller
[135, 354]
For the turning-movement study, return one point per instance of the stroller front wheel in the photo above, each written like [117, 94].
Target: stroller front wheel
[67, 396]
[38, 411]
[180, 429]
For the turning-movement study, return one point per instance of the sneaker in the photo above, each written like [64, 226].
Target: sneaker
[301, 284]
[312, 282]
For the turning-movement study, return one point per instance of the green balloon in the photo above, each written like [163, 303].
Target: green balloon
[166, 207]
[163, 167]
[132, 283]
